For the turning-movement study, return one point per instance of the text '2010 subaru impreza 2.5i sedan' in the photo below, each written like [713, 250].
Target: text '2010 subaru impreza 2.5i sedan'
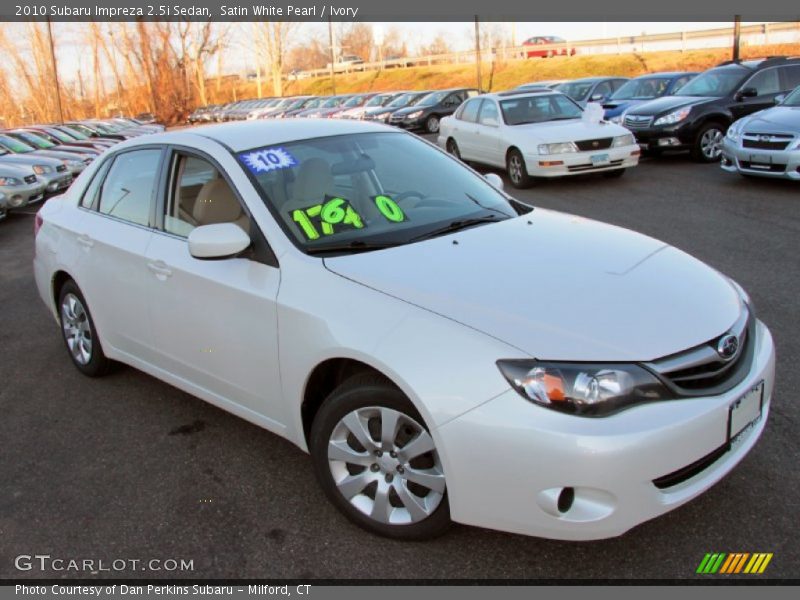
[441, 350]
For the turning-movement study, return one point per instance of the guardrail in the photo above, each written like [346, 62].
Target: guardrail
[762, 34]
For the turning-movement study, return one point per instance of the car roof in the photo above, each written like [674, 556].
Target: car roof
[242, 136]
[593, 79]
[666, 74]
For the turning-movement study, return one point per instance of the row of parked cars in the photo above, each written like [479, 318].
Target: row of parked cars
[42, 160]
[553, 128]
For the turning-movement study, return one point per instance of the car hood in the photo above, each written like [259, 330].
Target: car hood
[668, 103]
[558, 287]
[564, 131]
[410, 109]
[31, 159]
[780, 119]
[615, 107]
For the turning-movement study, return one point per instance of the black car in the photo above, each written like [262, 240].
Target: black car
[698, 115]
[428, 111]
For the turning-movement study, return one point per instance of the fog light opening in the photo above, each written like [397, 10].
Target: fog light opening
[565, 499]
[669, 142]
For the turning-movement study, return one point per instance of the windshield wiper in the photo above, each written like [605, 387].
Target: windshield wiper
[354, 246]
[454, 226]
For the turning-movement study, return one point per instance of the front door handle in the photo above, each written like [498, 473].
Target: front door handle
[161, 270]
[85, 241]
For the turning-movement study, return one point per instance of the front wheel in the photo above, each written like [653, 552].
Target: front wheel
[708, 143]
[517, 170]
[432, 124]
[377, 461]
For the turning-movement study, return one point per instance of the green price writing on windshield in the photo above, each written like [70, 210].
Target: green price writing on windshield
[389, 209]
[326, 218]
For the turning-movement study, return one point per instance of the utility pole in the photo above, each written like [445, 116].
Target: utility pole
[55, 69]
[737, 30]
[478, 51]
[333, 64]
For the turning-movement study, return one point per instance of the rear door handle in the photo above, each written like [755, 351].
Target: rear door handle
[161, 270]
[85, 241]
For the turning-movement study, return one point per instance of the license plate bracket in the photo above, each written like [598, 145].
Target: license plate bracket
[745, 411]
[600, 159]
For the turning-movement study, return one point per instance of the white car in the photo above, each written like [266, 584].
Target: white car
[442, 350]
[537, 134]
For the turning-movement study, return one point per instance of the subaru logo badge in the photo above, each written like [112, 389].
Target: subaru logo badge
[595, 144]
[765, 138]
[727, 346]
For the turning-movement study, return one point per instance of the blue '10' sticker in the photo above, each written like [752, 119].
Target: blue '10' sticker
[267, 159]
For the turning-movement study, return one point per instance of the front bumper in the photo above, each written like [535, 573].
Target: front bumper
[507, 460]
[56, 182]
[410, 124]
[18, 196]
[678, 136]
[575, 163]
[783, 164]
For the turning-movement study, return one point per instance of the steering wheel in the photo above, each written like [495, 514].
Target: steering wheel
[408, 194]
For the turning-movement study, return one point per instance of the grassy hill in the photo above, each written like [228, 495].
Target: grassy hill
[505, 75]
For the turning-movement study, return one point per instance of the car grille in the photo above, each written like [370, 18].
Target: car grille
[767, 141]
[701, 370]
[590, 167]
[768, 167]
[61, 168]
[30, 179]
[598, 144]
[637, 121]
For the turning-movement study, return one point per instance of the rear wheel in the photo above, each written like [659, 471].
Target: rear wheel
[377, 461]
[708, 143]
[432, 124]
[517, 170]
[79, 333]
[452, 148]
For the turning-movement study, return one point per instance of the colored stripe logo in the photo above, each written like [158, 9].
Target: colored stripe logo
[735, 562]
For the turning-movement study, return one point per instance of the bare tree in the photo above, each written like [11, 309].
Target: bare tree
[272, 43]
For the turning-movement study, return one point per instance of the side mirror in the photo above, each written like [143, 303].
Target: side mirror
[222, 240]
[780, 98]
[748, 92]
[495, 180]
[597, 98]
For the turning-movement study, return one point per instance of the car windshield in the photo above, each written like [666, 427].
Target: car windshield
[353, 102]
[377, 100]
[538, 109]
[331, 102]
[642, 89]
[76, 133]
[362, 191]
[716, 83]
[15, 145]
[401, 101]
[35, 140]
[432, 99]
[792, 99]
[577, 90]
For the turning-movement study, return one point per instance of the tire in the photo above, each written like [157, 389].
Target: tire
[79, 333]
[452, 148]
[707, 146]
[369, 480]
[615, 174]
[432, 124]
[517, 170]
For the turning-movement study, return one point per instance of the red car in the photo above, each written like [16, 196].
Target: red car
[546, 51]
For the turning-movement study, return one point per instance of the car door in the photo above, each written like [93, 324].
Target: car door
[464, 129]
[214, 321]
[113, 234]
[452, 102]
[489, 131]
[766, 84]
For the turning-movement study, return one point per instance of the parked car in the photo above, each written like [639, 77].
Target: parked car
[641, 89]
[591, 89]
[74, 164]
[52, 171]
[427, 112]
[354, 101]
[348, 62]
[263, 108]
[445, 352]
[697, 116]
[540, 46]
[93, 130]
[147, 118]
[39, 142]
[331, 106]
[546, 83]
[766, 143]
[19, 185]
[402, 100]
[376, 101]
[67, 134]
[297, 104]
[537, 134]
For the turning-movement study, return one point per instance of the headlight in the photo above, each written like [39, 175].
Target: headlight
[10, 181]
[414, 114]
[560, 148]
[581, 388]
[735, 131]
[75, 164]
[617, 119]
[623, 140]
[41, 169]
[674, 117]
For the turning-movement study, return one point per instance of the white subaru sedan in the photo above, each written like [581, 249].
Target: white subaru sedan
[441, 350]
[538, 133]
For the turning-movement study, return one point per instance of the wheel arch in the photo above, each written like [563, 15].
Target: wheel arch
[57, 282]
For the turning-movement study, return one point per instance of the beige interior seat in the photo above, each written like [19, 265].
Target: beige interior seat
[313, 182]
[216, 203]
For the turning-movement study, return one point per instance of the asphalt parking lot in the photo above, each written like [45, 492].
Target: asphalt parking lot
[128, 467]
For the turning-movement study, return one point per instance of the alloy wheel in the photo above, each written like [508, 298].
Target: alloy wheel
[711, 144]
[515, 169]
[77, 330]
[386, 465]
[433, 124]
